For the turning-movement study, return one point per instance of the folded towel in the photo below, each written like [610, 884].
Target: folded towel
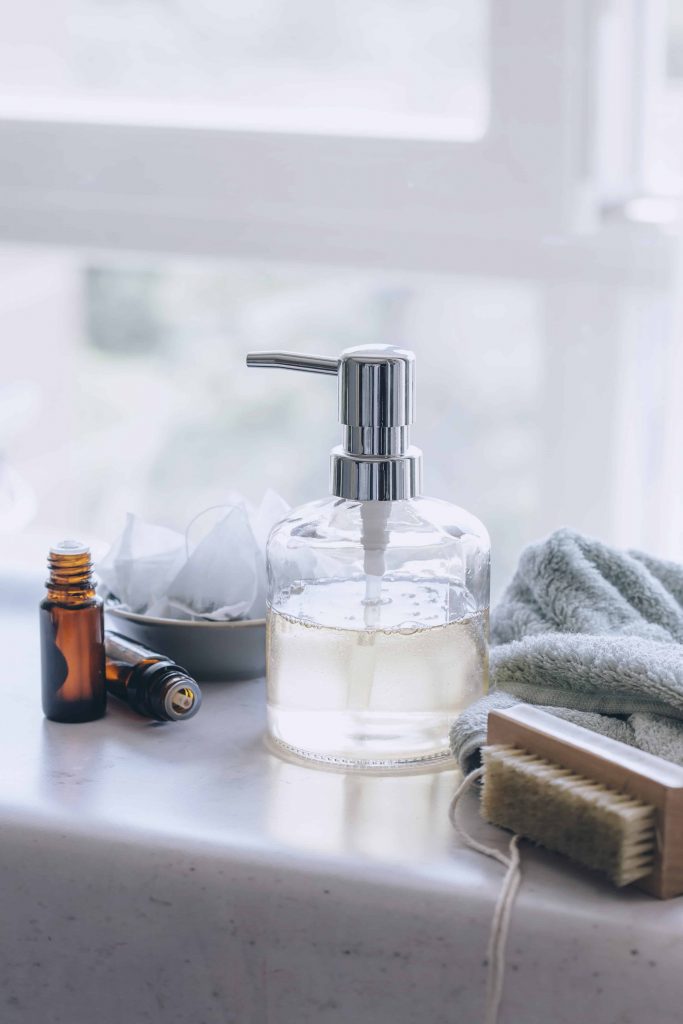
[593, 635]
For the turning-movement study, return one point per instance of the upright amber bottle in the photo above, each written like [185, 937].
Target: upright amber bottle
[72, 638]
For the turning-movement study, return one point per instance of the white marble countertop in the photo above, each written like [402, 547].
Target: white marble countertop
[182, 873]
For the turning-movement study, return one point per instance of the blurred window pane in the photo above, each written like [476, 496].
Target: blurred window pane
[665, 170]
[360, 65]
[129, 392]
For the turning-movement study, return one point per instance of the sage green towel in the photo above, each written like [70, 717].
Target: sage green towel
[593, 635]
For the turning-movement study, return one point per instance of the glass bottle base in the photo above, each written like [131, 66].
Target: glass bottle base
[361, 741]
[75, 712]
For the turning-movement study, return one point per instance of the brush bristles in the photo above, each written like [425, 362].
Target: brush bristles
[588, 822]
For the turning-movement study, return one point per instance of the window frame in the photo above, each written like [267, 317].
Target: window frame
[116, 176]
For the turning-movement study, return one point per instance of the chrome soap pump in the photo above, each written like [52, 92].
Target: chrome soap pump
[378, 597]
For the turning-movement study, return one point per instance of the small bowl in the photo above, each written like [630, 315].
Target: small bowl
[209, 651]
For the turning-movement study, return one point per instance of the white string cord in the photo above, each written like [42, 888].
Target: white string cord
[500, 924]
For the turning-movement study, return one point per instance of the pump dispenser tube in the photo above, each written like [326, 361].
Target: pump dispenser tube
[378, 597]
[374, 536]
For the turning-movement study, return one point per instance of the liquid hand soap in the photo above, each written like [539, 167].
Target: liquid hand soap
[378, 597]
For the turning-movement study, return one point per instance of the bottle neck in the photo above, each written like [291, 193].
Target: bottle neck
[70, 580]
[164, 691]
[374, 463]
[376, 478]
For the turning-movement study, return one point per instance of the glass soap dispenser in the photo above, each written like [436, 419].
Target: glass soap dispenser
[378, 597]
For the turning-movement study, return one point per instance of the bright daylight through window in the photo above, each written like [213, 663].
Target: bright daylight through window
[174, 249]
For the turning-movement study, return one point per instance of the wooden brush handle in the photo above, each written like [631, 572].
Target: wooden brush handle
[626, 769]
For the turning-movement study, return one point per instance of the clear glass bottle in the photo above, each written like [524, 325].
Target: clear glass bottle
[378, 597]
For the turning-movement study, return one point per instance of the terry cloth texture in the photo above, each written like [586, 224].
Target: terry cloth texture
[593, 635]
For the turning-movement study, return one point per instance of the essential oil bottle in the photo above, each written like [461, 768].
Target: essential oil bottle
[149, 683]
[72, 638]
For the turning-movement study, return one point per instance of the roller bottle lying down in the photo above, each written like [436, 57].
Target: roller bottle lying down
[149, 683]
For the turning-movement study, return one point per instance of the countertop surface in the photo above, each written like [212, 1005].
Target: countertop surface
[182, 872]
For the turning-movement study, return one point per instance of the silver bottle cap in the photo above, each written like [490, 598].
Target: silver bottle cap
[375, 461]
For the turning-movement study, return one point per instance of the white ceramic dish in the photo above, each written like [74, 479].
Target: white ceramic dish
[209, 651]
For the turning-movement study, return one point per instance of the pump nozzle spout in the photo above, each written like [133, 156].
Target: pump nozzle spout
[294, 361]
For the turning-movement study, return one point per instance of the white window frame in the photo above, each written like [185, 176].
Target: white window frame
[119, 177]
[538, 197]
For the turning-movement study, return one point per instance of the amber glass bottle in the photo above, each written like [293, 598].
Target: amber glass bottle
[72, 638]
[150, 683]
